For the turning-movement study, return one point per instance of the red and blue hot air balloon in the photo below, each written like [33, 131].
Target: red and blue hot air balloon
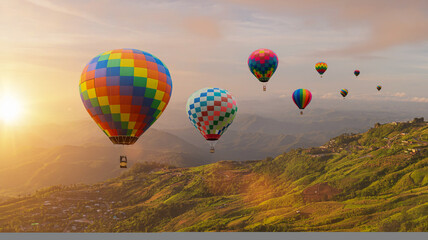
[302, 97]
[263, 63]
[357, 72]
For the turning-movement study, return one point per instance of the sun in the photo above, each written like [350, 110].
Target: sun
[10, 109]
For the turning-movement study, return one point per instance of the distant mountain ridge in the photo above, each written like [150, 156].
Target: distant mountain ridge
[374, 181]
[44, 153]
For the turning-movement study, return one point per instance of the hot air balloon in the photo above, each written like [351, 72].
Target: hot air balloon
[125, 91]
[378, 87]
[321, 67]
[263, 63]
[344, 92]
[211, 111]
[356, 73]
[302, 97]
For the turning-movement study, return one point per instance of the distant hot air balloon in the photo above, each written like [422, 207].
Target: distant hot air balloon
[211, 111]
[321, 67]
[378, 87]
[263, 63]
[302, 97]
[125, 91]
[356, 73]
[344, 92]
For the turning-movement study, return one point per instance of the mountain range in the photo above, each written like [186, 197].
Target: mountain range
[372, 181]
[77, 151]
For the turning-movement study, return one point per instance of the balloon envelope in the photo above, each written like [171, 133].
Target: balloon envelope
[321, 67]
[344, 92]
[357, 72]
[211, 111]
[125, 91]
[378, 87]
[302, 97]
[263, 63]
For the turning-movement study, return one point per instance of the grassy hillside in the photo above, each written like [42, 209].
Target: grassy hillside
[375, 181]
[32, 168]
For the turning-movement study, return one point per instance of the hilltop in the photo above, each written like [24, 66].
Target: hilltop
[373, 181]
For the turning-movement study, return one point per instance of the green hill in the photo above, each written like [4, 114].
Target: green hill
[375, 181]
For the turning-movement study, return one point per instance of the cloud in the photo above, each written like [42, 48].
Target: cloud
[387, 23]
[202, 26]
[419, 99]
[399, 94]
[385, 96]
[136, 19]
[330, 95]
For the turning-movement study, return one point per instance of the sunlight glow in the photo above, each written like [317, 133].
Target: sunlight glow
[10, 109]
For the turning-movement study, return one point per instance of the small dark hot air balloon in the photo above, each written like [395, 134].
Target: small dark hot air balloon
[344, 92]
[356, 73]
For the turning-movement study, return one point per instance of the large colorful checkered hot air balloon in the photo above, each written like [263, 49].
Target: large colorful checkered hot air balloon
[302, 97]
[356, 73]
[211, 111]
[125, 91]
[321, 67]
[263, 63]
[344, 92]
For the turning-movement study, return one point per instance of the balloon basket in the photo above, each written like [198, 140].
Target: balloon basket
[301, 112]
[264, 88]
[212, 145]
[123, 162]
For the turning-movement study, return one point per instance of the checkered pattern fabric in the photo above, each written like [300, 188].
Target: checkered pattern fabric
[125, 91]
[211, 111]
[263, 63]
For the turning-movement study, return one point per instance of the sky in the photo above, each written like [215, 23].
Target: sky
[46, 44]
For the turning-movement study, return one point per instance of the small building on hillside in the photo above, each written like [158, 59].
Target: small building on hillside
[418, 120]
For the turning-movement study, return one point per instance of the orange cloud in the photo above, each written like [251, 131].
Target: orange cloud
[390, 23]
[202, 26]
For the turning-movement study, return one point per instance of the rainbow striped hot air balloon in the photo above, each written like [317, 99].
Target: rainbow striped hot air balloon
[125, 91]
[302, 97]
[211, 111]
[321, 67]
[378, 87]
[263, 63]
[344, 92]
[356, 73]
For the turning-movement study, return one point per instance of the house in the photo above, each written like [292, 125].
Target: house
[418, 120]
